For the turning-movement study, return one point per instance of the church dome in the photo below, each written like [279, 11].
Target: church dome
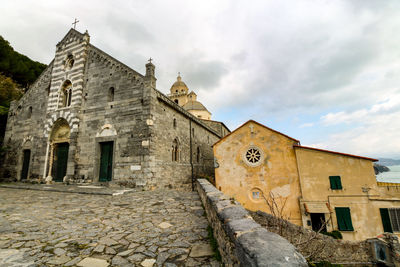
[179, 87]
[194, 105]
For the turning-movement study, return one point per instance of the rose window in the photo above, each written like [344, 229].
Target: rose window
[253, 155]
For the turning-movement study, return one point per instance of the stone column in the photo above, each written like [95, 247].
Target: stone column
[49, 178]
[46, 159]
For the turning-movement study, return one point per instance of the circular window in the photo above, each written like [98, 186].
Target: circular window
[256, 195]
[253, 156]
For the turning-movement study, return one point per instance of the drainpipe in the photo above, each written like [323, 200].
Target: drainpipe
[191, 156]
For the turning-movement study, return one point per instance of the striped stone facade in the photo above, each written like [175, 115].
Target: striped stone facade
[101, 100]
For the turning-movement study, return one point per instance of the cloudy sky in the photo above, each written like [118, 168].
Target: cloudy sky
[324, 72]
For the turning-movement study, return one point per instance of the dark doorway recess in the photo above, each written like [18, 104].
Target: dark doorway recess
[60, 161]
[318, 222]
[106, 158]
[25, 164]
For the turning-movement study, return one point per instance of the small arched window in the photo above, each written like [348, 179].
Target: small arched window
[175, 150]
[176, 101]
[198, 155]
[69, 62]
[66, 94]
[174, 123]
[111, 92]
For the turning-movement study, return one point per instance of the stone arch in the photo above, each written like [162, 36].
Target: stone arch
[60, 131]
[106, 130]
[62, 116]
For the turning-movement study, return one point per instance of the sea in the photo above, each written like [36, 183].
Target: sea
[393, 176]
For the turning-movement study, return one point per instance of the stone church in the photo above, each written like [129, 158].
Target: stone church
[91, 118]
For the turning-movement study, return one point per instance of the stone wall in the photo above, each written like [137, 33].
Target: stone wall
[170, 122]
[24, 129]
[317, 247]
[120, 119]
[242, 241]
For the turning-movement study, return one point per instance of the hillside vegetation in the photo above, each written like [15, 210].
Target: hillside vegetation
[16, 72]
[18, 67]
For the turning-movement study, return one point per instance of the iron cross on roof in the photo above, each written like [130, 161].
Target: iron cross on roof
[75, 22]
[150, 59]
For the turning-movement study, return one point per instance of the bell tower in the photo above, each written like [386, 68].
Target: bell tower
[150, 77]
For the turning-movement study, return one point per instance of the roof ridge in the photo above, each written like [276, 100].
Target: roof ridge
[334, 152]
[262, 125]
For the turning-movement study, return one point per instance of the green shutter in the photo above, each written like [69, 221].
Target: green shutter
[344, 219]
[387, 226]
[335, 181]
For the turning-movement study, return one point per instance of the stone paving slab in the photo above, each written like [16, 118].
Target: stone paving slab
[143, 228]
[75, 188]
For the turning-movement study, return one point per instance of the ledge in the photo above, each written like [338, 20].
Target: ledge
[242, 241]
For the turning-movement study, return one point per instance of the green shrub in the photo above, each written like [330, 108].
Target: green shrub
[323, 264]
[214, 244]
[335, 234]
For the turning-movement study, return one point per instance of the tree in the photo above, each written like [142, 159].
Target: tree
[9, 91]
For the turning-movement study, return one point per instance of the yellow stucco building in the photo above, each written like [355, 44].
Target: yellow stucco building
[310, 187]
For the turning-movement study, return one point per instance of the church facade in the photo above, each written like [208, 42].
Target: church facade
[91, 118]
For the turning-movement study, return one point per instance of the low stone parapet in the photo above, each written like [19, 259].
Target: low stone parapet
[242, 241]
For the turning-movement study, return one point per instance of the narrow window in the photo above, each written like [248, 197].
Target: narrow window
[336, 182]
[29, 115]
[175, 150]
[387, 225]
[174, 123]
[198, 155]
[193, 132]
[111, 92]
[344, 219]
[66, 94]
[176, 101]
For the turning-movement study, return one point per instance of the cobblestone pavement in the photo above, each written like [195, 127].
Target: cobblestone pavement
[149, 228]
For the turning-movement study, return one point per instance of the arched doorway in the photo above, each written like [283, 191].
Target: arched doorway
[59, 146]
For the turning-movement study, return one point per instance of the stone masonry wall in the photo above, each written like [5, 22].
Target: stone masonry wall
[192, 138]
[243, 242]
[317, 247]
[120, 120]
[25, 131]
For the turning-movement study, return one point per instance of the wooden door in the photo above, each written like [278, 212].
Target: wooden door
[61, 160]
[106, 158]
[25, 164]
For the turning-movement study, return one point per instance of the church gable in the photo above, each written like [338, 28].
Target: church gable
[102, 58]
[72, 36]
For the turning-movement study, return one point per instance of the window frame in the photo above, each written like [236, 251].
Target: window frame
[390, 219]
[343, 218]
[335, 182]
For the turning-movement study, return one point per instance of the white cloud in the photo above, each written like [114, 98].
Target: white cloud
[245, 59]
